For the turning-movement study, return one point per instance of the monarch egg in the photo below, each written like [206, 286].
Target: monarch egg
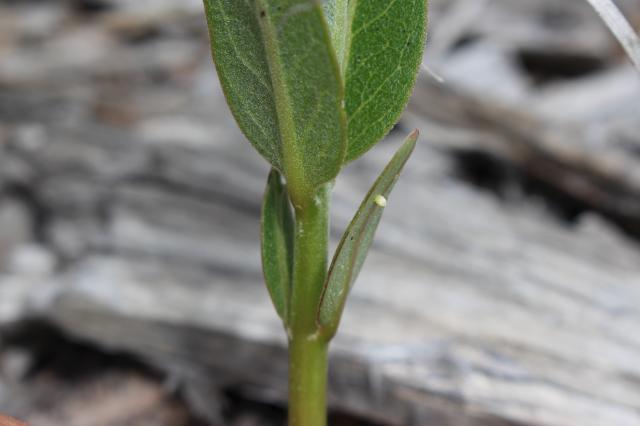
[380, 201]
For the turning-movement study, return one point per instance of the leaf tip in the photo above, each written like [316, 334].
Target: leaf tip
[414, 135]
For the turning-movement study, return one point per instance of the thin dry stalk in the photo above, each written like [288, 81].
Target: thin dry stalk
[620, 27]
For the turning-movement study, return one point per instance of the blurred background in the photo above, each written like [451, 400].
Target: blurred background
[503, 287]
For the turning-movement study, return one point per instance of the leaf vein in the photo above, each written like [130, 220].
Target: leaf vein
[375, 93]
[374, 19]
[242, 59]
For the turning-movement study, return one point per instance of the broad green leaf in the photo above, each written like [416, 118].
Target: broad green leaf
[282, 82]
[356, 241]
[277, 242]
[379, 44]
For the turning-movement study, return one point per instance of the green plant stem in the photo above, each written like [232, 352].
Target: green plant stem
[307, 348]
[308, 382]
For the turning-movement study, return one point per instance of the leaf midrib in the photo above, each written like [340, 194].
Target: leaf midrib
[285, 118]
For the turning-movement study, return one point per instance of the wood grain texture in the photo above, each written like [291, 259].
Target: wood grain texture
[496, 313]
[474, 308]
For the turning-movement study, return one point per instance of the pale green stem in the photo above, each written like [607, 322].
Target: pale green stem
[308, 350]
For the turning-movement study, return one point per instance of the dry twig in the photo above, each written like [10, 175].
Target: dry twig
[620, 27]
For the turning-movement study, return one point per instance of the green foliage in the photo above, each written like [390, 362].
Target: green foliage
[277, 243]
[282, 82]
[312, 88]
[379, 44]
[357, 239]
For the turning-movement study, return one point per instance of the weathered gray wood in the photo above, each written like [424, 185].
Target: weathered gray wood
[471, 310]
[580, 138]
[577, 136]
[468, 316]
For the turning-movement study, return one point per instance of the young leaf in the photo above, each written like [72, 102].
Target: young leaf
[357, 239]
[277, 243]
[282, 82]
[379, 44]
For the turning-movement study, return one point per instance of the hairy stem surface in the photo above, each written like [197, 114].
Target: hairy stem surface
[308, 382]
[307, 349]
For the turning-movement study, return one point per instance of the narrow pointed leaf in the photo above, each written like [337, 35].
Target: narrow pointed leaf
[282, 82]
[356, 241]
[277, 243]
[379, 44]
